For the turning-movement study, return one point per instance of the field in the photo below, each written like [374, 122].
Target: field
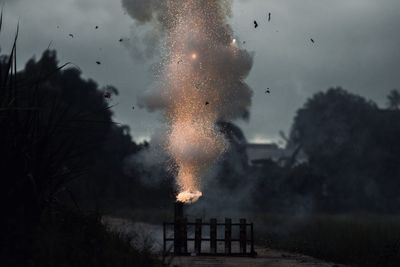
[363, 240]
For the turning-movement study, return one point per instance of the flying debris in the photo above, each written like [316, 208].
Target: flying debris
[71, 35]
[96, 27]
[107, 95]
[312, 40]
[180, 61]
[255, 24]
[244, 42]
[267, 91]
[207, 103]
[58, 27]
[120, 40]
[98, 62]
[269, 17]
[133, 107]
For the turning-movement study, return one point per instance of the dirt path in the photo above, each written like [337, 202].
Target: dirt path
[265, 258]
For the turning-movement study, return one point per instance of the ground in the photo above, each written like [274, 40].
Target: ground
[150, 233]
[265, 258]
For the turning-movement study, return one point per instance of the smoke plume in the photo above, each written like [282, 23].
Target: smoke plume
[200, 82]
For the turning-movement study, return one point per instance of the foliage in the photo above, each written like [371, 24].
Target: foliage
[70, 238]
[59, 146]
[355, 146]
[394, 100]
[349, 239]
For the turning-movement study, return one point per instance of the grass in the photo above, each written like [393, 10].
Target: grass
[70, 238]
[365, 240]
[38, 142]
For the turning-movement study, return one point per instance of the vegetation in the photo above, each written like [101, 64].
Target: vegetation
[353, 150]
[356, 240]
[56, 131]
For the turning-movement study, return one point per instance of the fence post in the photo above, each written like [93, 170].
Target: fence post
[184, 236]
[243, 237]
[252, 241]
[178, 222]
[228, 236]
[164, 240]
[213, 236]
[197, 236]
[177, 237]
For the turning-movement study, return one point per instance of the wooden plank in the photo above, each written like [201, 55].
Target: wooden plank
[243, 236]
[177, 237]
[213, 236]
[164, 239]
[252, 240]
[228, 236]
[197, 236]
[184, 238]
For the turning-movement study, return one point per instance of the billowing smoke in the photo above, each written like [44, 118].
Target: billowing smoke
[200, 82]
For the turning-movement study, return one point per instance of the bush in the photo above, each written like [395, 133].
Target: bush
[71, 238]
[359, 241]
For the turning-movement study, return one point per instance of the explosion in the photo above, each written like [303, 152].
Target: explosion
[201, 82]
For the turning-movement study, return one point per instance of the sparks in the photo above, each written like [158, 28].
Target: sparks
[198, 55]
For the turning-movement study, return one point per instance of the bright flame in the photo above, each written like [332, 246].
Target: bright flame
[189, 197]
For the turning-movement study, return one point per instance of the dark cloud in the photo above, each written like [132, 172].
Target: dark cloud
[356, 47]
[143, 10]
[8, 1]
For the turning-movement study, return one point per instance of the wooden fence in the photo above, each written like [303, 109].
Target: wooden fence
[237, 240]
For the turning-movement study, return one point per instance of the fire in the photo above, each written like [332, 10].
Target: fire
[189, 197]
[197, 92]
[193, 141]
[200, 81]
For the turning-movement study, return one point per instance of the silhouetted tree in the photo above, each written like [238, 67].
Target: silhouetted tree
[355, 145]
[394, 100]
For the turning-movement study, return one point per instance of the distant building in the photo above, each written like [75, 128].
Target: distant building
[260, 153]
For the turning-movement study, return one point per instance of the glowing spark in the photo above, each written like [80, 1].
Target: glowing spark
[194, 56]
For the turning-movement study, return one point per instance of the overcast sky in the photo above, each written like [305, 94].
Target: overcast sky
[357, 46]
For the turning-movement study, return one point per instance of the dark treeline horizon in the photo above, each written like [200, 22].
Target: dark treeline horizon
[351, 144]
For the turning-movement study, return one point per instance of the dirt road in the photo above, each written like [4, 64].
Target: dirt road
[265, 258]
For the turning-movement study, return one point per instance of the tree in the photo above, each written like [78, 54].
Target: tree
[394, 100]
[331, 123]
[355, 145]
[335, 130]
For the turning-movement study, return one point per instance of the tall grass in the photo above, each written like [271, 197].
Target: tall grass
[349, 239]
[44, 145]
